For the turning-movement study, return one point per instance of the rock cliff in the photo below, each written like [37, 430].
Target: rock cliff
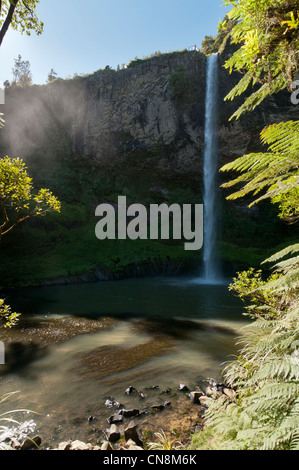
[111, 115]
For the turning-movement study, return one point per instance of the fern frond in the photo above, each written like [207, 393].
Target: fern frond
[290, 250]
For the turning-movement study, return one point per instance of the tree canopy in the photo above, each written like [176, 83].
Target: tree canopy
[17, 200]
[21, 16]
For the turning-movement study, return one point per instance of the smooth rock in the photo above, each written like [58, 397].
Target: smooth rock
[129, 413]
[195, 396]
[79, 445]
[204, 400]
[33, 443]
[64, 446]
[106, 446]
[113, 433]
[116, 418]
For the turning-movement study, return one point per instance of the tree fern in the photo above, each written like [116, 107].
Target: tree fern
[276, 172]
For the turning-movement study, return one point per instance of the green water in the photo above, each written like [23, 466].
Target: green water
[161, 331]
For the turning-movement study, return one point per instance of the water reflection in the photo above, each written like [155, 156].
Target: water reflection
[111, 335]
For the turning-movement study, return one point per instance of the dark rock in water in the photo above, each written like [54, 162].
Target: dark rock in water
[90, 419]
[33, 443]
[183, 388]
[131, 390]
[131, 433]
[113, 433]
[141, 395]
[111, 403]
[195, 396]
[161, 407]
[154, 387]
[116, 418]
[165, 391]
[129, 413]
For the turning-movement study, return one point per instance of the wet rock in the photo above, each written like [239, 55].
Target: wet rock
[131, 391]
[183, 388]
[91, 418]
[129, 413]
[106, 446]
[32, 443]
[141, 395]
[154, 387]
[113, 433]
[161, 407]
[132, 434]
[111, 403]
[116, 418]
[195, 396]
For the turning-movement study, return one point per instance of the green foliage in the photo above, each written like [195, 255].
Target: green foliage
[211, 45]
[21, 16]
[7, 318]
[52, 75]
[21, 72]
[137, 61]
[276, 170]
[264, 414]
[164, 443]
[178, 82]
[12, 430]
[267, 32]
[18, 202]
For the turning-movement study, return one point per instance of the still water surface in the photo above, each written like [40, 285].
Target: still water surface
[158, 331]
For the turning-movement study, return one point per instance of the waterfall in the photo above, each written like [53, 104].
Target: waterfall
[211, 261]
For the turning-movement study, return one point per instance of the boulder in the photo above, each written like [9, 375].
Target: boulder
[183, 388]
[131, 390]
[113, 433]
[79, 445]
[116, 418]
[195, 396]
[132, 434]
[106, 446]
[129, 413]
[204, 401]
[64, 446]
[31, 443]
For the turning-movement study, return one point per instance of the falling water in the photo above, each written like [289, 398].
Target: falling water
[211, 260]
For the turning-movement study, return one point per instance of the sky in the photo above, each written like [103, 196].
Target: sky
[84, 36]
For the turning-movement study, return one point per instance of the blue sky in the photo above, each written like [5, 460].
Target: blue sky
[82, 37]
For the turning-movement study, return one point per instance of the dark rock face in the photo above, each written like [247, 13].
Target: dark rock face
[111, 115]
